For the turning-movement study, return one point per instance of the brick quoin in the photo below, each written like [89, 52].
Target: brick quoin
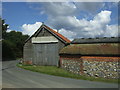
[60, 61]
[81, 67]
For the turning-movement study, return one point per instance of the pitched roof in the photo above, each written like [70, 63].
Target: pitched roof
[96, 40]
[92, 49]
[58, 34]
[52, 31]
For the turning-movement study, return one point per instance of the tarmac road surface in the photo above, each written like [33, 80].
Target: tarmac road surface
[14, 77]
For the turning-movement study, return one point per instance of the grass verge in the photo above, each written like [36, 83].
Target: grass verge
[52, 70]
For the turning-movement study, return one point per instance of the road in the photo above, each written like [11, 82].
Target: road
[14, 77]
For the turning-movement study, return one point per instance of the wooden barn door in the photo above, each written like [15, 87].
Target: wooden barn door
[46, 54]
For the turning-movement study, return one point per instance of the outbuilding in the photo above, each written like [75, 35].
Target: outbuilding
[43, 47]
[98, 57]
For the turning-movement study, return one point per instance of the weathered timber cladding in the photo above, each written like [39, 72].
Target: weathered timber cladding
[0, 50]
[44, 32]
[45, 52]
[28, 51]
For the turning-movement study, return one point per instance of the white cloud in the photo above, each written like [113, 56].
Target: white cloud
[67, 33]
[111, 5]
[102, 18]
[63, 17]
[58, 9]
[112, 30]
[9, 30]
[89, 6]
[97, 27]
[71, 27]
[68, 8]
[30, 28]
[60, 0]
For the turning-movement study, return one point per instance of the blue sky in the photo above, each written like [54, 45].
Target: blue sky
[18, 13]
[72, 19]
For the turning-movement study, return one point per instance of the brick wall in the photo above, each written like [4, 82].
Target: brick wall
[106, 67]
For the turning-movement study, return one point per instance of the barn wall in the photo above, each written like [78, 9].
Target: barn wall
[32, 52]
[44, 33]
[28, 51]
[106, 67]
[46, 54]
[0, 50]
[47, 33]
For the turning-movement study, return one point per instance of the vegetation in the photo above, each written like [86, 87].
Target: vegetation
[12, 43]
[52, 70]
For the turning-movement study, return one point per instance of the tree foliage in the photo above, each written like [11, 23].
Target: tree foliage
[4, 28]
[12, 43]
[8, 52]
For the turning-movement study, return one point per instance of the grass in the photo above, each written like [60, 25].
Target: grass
[52, 70]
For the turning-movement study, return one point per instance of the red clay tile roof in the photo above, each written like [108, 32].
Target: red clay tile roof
[58, 34]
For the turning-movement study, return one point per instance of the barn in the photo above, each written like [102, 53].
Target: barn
[97, 57]
[43, 47]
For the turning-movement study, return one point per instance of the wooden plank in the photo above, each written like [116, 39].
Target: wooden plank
[46, 54]
[45, 39]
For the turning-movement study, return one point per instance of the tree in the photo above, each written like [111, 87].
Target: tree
[18, 39]
[0, 28]
[8, 52]
[4, 28]
[12, 43]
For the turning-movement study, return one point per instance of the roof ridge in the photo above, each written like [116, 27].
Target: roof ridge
[58, 34]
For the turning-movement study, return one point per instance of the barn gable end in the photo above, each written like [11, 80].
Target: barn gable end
[43, 46]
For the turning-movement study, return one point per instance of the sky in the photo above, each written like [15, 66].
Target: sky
[71, 19]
